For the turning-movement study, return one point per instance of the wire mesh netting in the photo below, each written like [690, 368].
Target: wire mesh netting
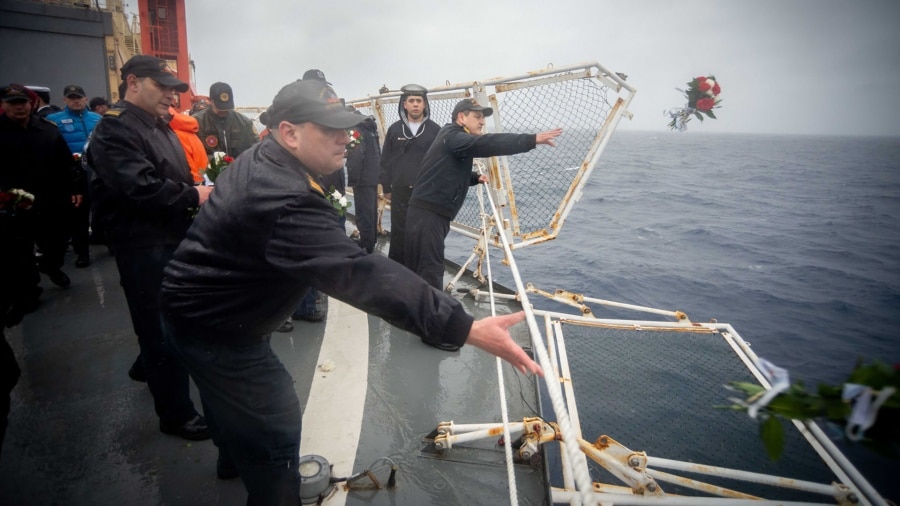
[663, 392]
[533, 187]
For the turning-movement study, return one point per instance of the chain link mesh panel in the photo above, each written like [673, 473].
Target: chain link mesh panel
[535, 189]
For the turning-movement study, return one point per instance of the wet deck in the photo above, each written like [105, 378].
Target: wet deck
[81, 432]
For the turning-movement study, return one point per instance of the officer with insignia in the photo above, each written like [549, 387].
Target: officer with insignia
[221, 127]
[267, 235]
[143, 191]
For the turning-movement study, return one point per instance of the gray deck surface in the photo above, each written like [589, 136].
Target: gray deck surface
[81, 432]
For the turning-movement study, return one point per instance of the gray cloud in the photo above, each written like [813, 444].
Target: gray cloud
[785, 66]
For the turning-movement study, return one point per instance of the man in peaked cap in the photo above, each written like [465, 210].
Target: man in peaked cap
[75, 123]
[36, 160]
[444, 179]
[223, 297]
[143, 191]
[315, 75]
[221, 127]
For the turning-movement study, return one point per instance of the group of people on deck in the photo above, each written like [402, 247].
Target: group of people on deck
[210, 271]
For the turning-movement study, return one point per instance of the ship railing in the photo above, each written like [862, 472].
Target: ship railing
[640, 474]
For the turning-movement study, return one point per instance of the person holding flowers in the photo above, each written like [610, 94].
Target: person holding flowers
[144, 191]
[37, 160]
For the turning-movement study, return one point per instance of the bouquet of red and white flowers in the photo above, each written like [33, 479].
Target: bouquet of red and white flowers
[355, 138]
[14, 201]
[702, 97]
[219, 163]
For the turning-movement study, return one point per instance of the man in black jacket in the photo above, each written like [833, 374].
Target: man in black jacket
[37, 160]
[444, 181]
[405, 144]
[362, 176]
[144, 192]
[268, 233]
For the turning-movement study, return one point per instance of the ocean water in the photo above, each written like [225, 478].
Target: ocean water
[794, 240]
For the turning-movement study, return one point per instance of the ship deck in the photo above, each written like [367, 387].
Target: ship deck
[81, 432]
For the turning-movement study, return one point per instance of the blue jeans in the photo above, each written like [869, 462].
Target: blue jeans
[250, 406]
[307, 304]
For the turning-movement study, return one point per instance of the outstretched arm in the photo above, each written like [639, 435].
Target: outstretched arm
[548, 136]
[491, 334]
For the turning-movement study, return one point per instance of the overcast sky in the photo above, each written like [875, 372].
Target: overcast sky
[785, 66]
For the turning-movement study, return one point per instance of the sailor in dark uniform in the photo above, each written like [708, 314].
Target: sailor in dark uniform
[268, 233]
[444, 179]
[144, 193]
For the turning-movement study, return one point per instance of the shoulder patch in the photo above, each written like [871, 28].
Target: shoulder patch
[44, 118]
[114, 112]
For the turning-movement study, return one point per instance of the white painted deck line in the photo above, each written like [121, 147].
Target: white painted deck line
[332, 420]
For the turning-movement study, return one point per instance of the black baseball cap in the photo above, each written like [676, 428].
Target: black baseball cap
[13, 93]
[97, 101]
[315, 75]
[313, 101]
[74, 90]
[221, 96]
[470, 104]
[144, 65]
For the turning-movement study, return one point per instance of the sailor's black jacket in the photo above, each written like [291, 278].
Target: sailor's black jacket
[265, 236]
[142, 185]
[446, 172]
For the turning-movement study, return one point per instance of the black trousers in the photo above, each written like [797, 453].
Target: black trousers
[425, 235]
[365, 198]
[52, 236]
[79, 227]
[399, 208]
[141, 273]
[9, 376]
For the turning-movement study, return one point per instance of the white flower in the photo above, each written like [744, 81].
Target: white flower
[712, 84]
[343, 201]
[218, 156]
[336, 195]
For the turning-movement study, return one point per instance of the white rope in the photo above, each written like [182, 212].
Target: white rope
[504, 413]
[570, 440]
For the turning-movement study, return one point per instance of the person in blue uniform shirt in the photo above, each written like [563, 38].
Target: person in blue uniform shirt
[75, 123]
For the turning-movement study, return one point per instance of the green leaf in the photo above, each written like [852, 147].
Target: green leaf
[772, 434]
[711, 115]
[748, 388]
[699, 116]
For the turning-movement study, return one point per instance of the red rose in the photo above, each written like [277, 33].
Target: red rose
[704, 86]
[228, 159]
[705, 104]
[700, 79]
[716, 89]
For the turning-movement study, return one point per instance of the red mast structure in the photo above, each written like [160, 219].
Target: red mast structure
[164, 35]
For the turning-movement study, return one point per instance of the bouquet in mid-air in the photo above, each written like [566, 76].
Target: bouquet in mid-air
[702, 97]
